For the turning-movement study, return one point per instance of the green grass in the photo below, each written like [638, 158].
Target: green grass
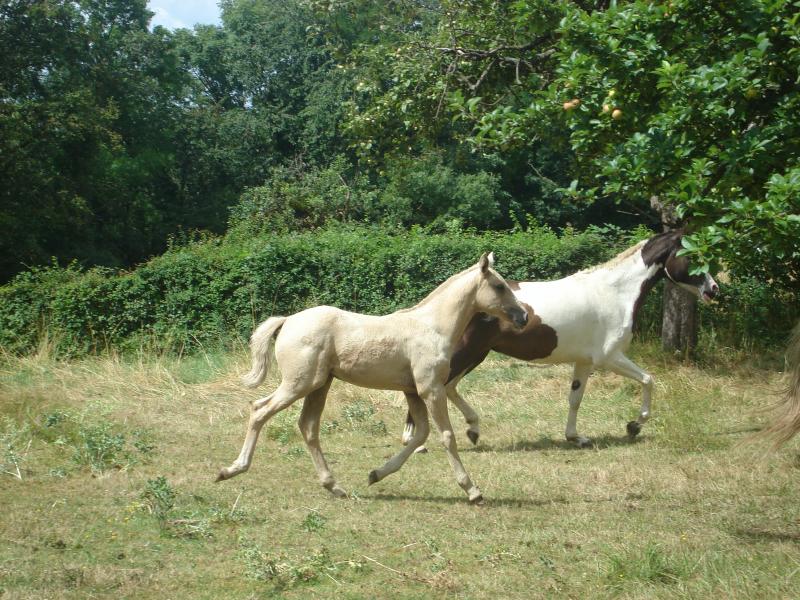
[108, 466]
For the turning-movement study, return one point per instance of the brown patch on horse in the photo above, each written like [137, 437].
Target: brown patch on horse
[532, 343]
[659, 248]
[474, 346]
[485, 333]
[677, 267]
[645, 288]
[535, 340]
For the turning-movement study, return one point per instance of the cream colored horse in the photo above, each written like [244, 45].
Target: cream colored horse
[408, 350]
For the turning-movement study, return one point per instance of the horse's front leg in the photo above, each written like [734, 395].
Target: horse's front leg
[472, 417]
[622, 365]
[418, 414]
[436, 399]
[580, 376]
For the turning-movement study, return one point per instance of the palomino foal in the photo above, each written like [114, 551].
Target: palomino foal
[408, 350]
[585, 319]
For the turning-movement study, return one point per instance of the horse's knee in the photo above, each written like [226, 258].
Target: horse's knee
[258, 417]
[448, 439]
[311, 438]
[648, 381]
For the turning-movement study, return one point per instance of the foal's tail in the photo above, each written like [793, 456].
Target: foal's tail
[787, 411]
[261, 350]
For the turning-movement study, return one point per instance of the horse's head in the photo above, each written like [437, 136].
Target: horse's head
[494, 297]
[663, 249]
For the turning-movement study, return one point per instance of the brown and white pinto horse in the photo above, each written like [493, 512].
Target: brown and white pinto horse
[409, 350]
[585, 319]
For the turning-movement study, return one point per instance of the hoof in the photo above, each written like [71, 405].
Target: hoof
[221, 476]
[336, 491]
[476, 499]
[473, 436]
[421, 450]
[633, 427]
[580, 441]
[372, 478]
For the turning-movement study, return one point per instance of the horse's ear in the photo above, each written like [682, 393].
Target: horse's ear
[485, 262]
[491, 259]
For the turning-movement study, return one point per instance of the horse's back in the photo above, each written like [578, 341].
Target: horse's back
[584, 315]
[367, 350]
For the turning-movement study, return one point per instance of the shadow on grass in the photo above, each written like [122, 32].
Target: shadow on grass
[546, 443]
[757, 534]
[489, 502]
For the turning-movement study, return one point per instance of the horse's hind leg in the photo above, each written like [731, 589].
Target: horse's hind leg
[309, 426]
[419, 413]
[580, 375]
[260, 413]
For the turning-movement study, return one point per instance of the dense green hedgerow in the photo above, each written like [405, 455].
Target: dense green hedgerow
[216, 290]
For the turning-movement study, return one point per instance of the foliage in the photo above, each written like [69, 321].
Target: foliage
[300, 196]
[314, 521]
[711, 128]
[159, 497]
[652, 566]
[451, 117]
[214, 290]
[693, 104]
[85, 441]
[115, 136]
[284, 571]
[425, 191]
[89, 97]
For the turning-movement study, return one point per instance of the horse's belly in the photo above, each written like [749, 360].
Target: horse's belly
[377, 377]
[374, 363]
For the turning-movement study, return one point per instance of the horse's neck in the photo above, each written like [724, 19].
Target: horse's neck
[630, 278]
[449, 310]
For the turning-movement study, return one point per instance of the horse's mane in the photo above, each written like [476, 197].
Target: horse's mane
[437, 291]
[617, 259]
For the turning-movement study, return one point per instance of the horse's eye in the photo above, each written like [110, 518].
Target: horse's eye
[499, 287]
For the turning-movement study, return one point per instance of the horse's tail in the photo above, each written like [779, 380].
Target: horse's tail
[261, 350]
[787, 411]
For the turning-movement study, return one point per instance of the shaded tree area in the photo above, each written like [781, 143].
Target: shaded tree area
[114, 137]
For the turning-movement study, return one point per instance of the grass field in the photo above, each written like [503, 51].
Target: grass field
[108, 467]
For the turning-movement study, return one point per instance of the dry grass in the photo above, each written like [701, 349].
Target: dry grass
[686, 511]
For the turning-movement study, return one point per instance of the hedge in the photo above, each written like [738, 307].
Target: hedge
[214, 291]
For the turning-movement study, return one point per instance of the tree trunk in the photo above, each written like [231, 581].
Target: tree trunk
[679, 324]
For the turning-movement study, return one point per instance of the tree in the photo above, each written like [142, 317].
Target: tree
[86, 98]
[694, 103]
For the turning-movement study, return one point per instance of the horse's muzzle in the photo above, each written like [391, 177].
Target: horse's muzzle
[519, 318]
[709, 292]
